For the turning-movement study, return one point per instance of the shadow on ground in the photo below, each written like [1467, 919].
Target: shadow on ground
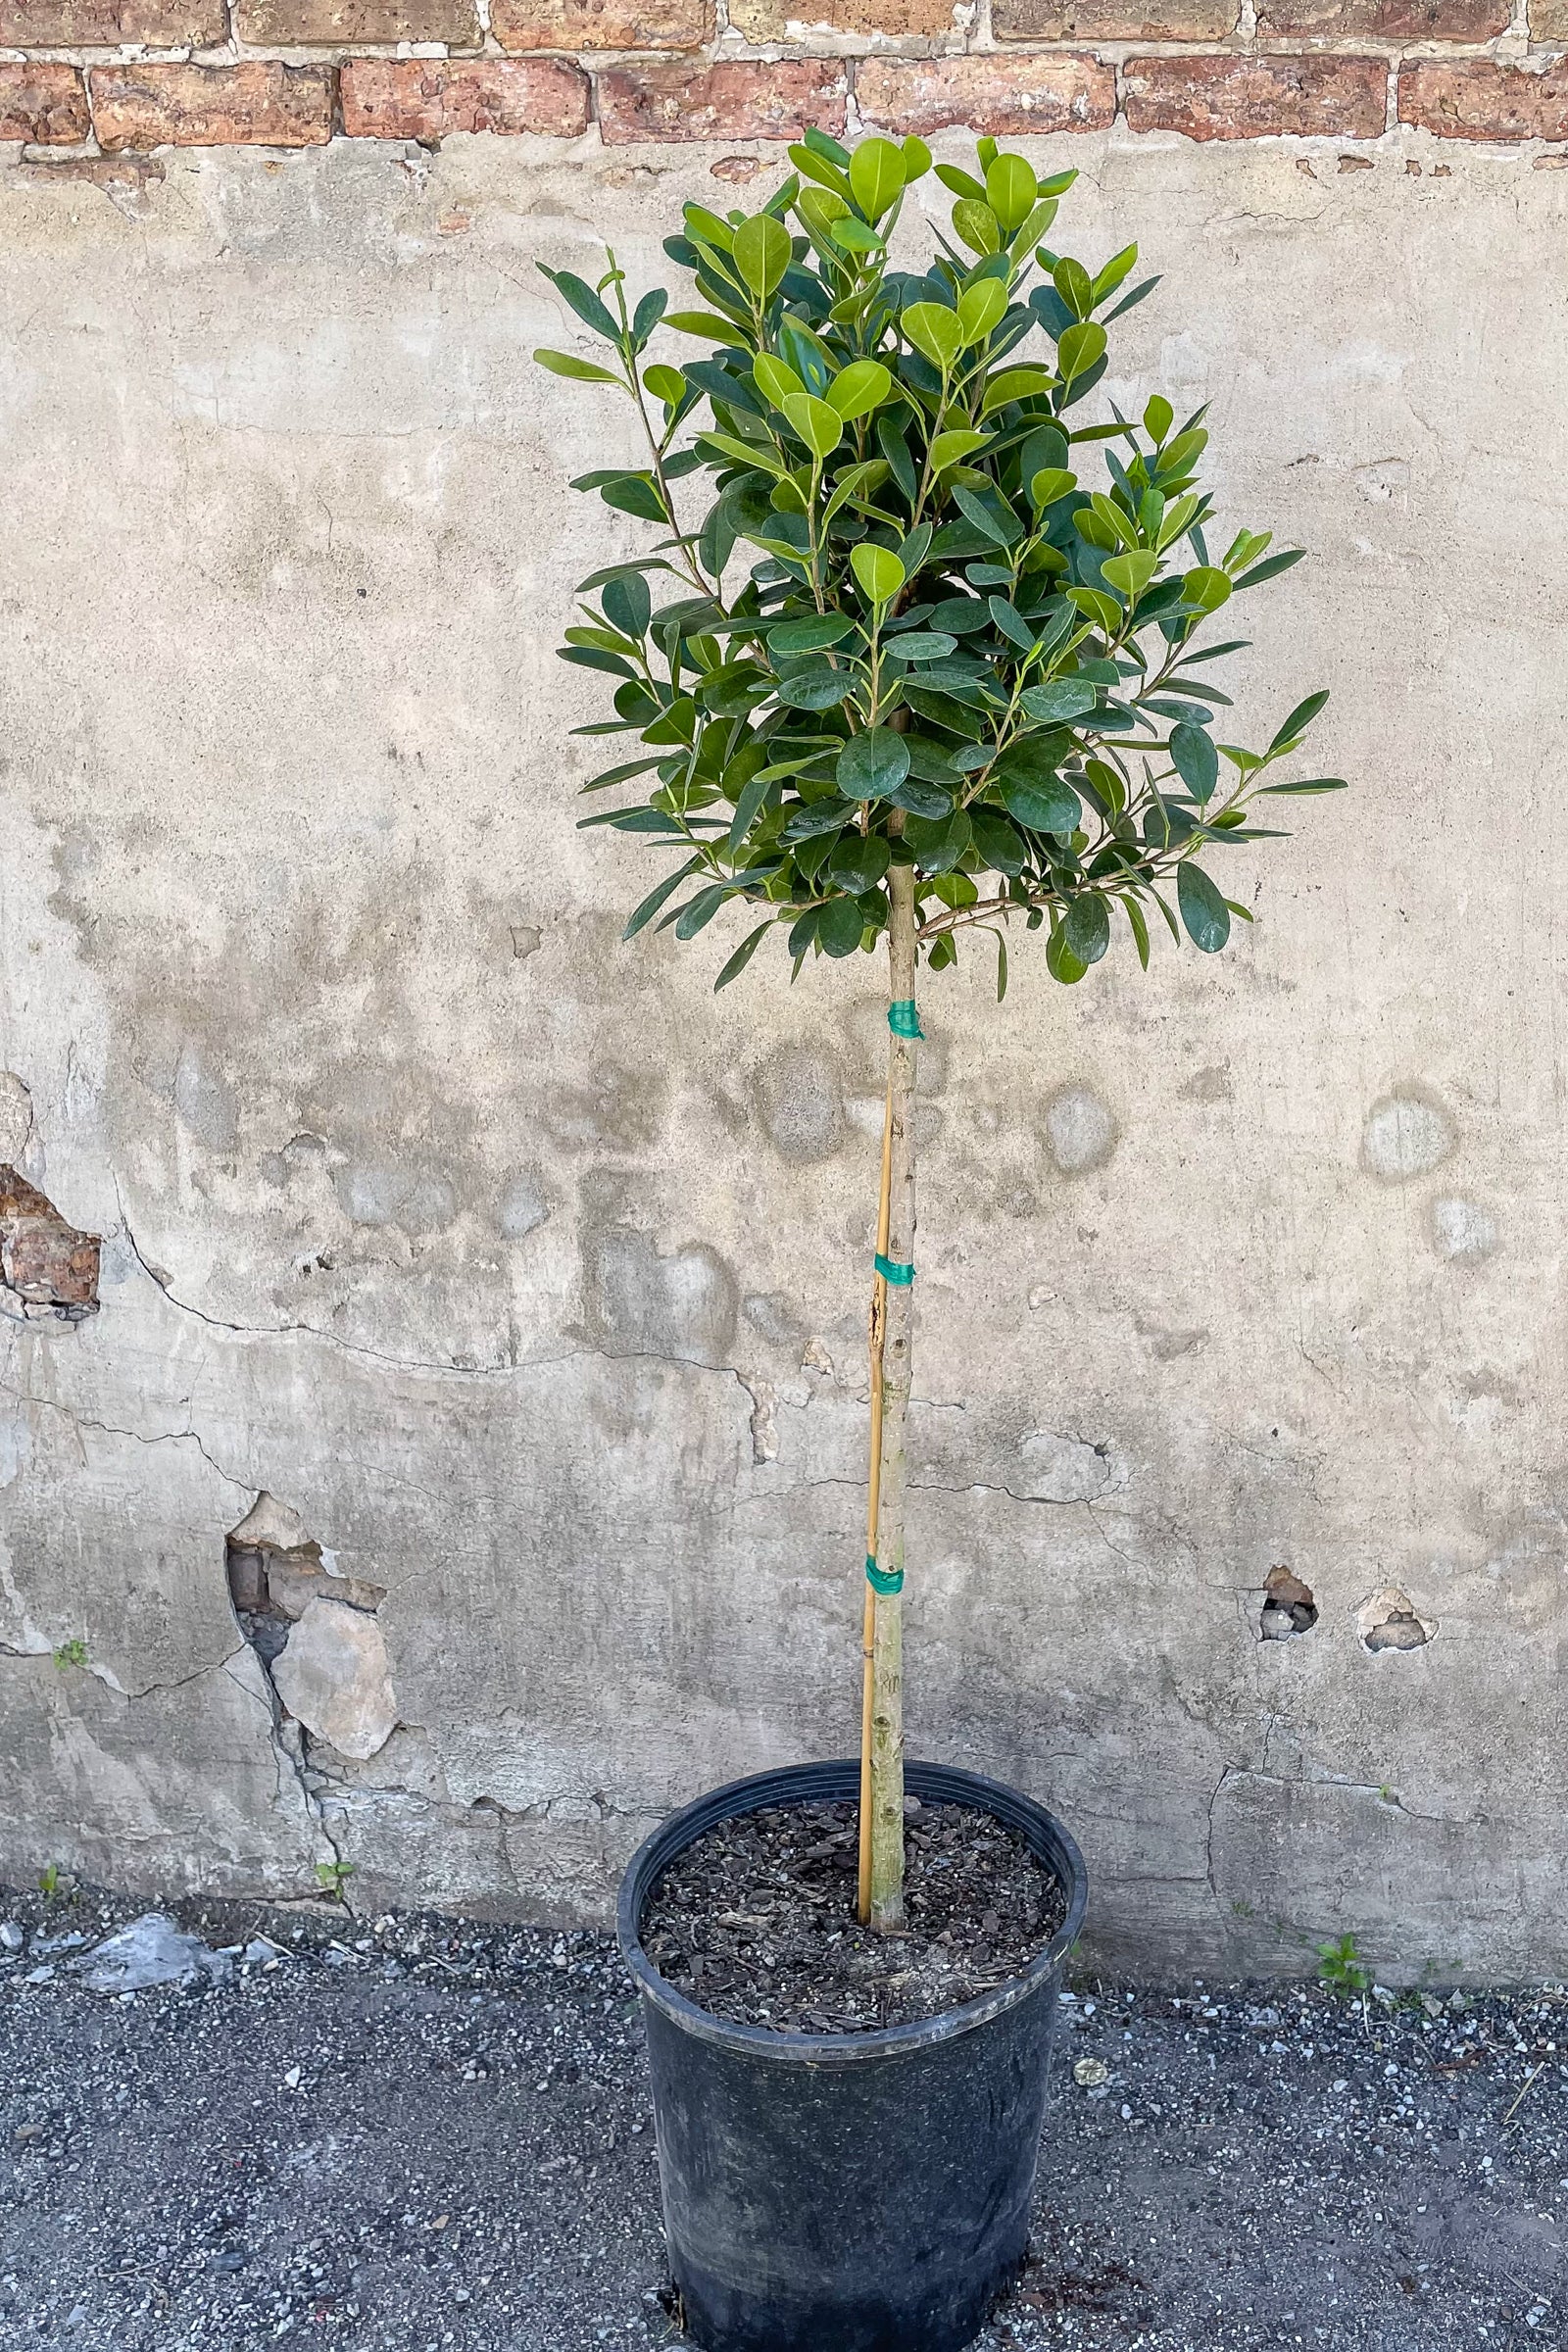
[423, 2133]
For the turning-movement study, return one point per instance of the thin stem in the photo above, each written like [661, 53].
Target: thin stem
[877, 1336]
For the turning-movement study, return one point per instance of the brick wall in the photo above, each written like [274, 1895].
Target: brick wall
[121, 75]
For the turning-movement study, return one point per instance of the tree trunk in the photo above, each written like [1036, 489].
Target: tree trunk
[886, 1742]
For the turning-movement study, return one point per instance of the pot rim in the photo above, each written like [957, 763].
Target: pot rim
[834, 1783]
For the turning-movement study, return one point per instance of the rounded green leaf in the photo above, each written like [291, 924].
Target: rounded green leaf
[980, 309]
[1158, 419]
[665, 383]
[1049, 484]
[977, 225]
[1015, 383]
[878, 571]
[1086, 927]
[872, 765]
[839, 925]
[864, 387]
[1011, 190]
[1044, 803]
[1203, 911]
[581, 371]
[627, 604]
[951, 448]
[917, 160]
[876, 177]
[1193, 757]
[934, 331]
[996, 842]
[1080, 349]
[810, 635]
[860, 863]
[1059, 700]
[1061, 961]
[920, 645]
[1130, 574]
[814, 689]
[762, 251]
[1206, 589]
[821, 427]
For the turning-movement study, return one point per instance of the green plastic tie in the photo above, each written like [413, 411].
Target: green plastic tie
[902, 1020]
[897, 1276]
[883, 1580]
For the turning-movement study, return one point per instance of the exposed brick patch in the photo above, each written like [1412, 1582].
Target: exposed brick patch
[44, 1262]
[897, 20]
[106, 23]
[44, 103]
[249, 105]
[1113, 20]
[1474, 99]
[1010, 97]
[572, 25]
[425, 98]
[1232, 97]
[1384, 20]
[332, 23]
[738, 100]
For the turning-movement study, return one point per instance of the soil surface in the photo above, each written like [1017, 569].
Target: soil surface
[756, 1922]
[418, 2135]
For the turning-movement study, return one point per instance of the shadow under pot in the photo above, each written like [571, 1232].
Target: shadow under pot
[849, 2193]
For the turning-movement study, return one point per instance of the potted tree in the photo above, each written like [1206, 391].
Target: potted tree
[894, 671]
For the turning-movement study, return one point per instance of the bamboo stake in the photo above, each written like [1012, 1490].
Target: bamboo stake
[877, 1340]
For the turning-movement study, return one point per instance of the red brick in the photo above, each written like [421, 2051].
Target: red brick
[1384, 20]
[334, 24]
[574, 25]
[43, 1260]
[740, 100]
[1474, 99]
[43, 103]
[1010, 97]
[1233, 97]
[249, 105]
[425, 98]
[106, 23]
[1113, 20]
[896, 19]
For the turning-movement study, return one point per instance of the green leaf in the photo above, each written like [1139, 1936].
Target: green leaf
[999, 530]
[1268, 569]
[701, 323]
[1011, 190]
[655, 898]
[814, 689]
[934, 331]
[743, 955]
[821, 427]
[562, 363]
[1059, 700]
[1300, 720]
[960, 181]
[775, 380]
[810, 636]
[920, 645]
[1010, 622]
[1086, 927]
[872, 765]
[1311, 784]
[980, 309]
[1158, 418]
[1061, 961]
[1101, 608]
[998, 844]
[1204, 910]
[1120, 265]
[921, 797]
[876, 177]
[1194, 760]
[586, 303]
[1081, 348]
[1044, 803]
[1131, 573]
[628, 603]
[1001, 968]
[1049, 484]
[948, 449]
[863, 385]
[878, 571]
[1206, 588]
[860, 862]
[702, 909]
[1072, 283]
[762, 252]
[856, 485]
[1140, 929]
[839, 925]
[977, 225]
[753, 791]
[666, 385]
[634, 494]
[1016, 383]
[813, 818]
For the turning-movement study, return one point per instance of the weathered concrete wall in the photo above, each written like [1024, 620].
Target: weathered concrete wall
[530, 1278]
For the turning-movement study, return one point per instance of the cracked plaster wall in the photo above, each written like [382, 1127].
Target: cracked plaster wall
[531, 1277]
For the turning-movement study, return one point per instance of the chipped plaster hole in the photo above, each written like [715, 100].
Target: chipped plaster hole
[1288, 1608]
[1388, 1621]
[47, 1268]
[314, 1630]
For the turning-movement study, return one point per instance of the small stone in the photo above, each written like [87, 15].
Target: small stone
[11, 1935]
[1091, 2072]
[333, 1675]
[152, 1951]
[291, 2081]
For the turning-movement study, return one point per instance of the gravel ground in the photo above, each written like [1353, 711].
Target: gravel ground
[421, 2133]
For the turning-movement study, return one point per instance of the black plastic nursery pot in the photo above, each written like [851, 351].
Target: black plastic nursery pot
[849, 2193]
